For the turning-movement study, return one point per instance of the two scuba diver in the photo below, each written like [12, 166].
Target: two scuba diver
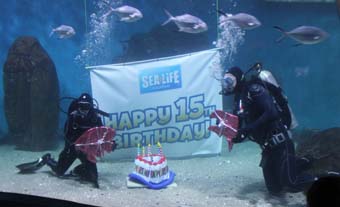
[81, 116]
[265, 118]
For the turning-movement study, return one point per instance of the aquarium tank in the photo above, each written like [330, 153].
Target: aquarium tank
[169, 103]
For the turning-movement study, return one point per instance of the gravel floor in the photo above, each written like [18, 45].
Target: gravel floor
[232, 179]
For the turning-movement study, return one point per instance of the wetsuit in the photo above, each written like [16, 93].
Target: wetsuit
[261, 123]
[76, 124]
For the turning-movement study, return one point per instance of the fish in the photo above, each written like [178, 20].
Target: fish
[187, 23]
[301, 71]
[242, 20]
[63, 31]
[125, 13]
[307, 35]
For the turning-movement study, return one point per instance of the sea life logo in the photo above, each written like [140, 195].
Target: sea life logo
[159, 79]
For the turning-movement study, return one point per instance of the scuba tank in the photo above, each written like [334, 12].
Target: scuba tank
[280, 99]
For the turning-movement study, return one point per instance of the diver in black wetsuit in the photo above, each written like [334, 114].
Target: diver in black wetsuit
[261, 122]
[81, 117]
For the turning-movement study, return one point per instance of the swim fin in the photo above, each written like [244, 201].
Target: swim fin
[31, 167]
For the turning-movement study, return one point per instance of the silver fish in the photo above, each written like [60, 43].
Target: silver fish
[187, 23]
[63, 31]
[301, 71]
[304, 35]
[125, 13]
[242, 20]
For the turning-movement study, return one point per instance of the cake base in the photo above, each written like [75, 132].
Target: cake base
[156, 186]
[133, 184]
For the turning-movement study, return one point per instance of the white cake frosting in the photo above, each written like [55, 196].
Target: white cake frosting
[152, 168]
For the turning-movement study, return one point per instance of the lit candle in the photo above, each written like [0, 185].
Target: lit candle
[143, 151]
[149, 150]
[160, 150]
[138, 149]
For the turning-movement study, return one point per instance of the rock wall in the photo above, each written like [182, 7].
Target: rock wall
[324, 147]
[162, 41]
[31, 93]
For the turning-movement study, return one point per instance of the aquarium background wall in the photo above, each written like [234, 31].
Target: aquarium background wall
[309, 74]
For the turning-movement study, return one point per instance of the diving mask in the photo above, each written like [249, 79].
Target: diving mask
[228, 83]
[84, 107]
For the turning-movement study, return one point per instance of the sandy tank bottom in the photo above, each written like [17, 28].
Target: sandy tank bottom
[232, 179]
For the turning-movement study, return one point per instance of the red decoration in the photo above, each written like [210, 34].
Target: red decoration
[142, 159]
[227, 126]
[95, 141]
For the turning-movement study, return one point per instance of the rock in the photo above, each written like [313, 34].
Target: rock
[162, 41]
[303, 134]
[324, 147]
[31, 93]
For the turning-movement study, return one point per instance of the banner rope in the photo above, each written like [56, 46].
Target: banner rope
[85, 14]
[217, 34]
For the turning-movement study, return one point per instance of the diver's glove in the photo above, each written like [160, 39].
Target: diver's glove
[241, 135]
[114, 145]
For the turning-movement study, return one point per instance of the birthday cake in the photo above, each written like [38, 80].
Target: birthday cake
[152, 169]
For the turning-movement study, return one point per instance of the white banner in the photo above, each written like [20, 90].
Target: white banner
[167, 100]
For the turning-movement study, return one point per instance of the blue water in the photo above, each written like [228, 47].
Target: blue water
[313, 94]
[314, 97]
